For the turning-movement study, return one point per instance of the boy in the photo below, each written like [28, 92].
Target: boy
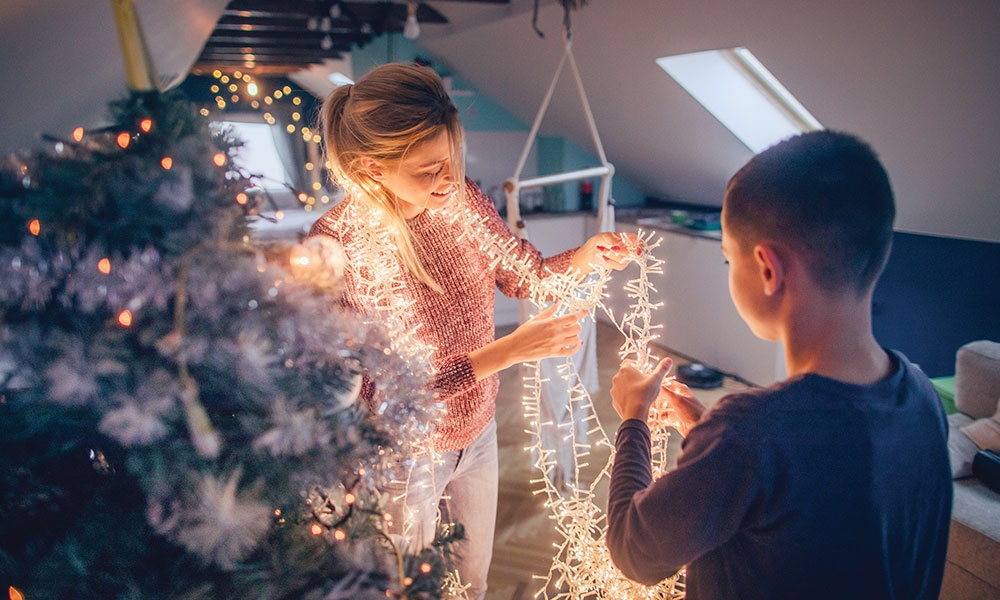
[833, 483]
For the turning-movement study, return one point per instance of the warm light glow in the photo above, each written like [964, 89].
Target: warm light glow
[124, 138]
[242, 198]
[104, 266]
[125, 318]
[252, 89]
[349, 498]
[339, 535]
[279, 214]
[14, 593]
[167, 163]
[315, 529]
[425, 568]
[146, 124]
[78, 134]
[34, 226]
[219, 159]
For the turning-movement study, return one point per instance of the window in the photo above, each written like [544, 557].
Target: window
[259, 153]
[742, 94]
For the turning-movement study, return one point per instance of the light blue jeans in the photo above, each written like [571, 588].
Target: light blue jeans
[462, 485]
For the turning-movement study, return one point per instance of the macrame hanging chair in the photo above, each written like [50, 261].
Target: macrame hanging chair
[567, 428]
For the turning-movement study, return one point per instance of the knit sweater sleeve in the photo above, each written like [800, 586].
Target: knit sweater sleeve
[509, 283]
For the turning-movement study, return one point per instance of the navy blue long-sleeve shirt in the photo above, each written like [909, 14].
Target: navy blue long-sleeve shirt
[812, 488]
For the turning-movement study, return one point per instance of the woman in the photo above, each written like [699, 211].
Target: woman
[395, 144]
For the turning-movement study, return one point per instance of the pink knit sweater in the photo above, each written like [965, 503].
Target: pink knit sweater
[459, 320]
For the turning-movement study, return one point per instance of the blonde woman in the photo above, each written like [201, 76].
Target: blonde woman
[395, 144]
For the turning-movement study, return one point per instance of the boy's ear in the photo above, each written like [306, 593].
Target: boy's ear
[770, 267]
[374, 168]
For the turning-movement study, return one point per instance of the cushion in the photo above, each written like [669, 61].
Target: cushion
[977, 378]
[985, 432]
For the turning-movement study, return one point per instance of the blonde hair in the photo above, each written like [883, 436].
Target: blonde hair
[388, 112]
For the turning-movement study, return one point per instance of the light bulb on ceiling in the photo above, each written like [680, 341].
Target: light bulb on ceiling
[411, 30]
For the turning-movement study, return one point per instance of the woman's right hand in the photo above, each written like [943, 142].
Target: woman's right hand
[542, 336]
[545, 335]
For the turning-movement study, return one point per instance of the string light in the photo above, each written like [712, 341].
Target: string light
[124, 138]
[125, 318]
[78, 134]
[104, 266]
[219, 159]
[581, 566]
[34, 227]
[146, 125]
[167, 163]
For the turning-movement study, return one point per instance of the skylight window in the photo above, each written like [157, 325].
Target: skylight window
[742, 94]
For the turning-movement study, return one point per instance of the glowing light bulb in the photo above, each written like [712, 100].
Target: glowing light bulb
[124, 138]
[125, 318]
[104, 266]
[242, 198]
[146, 125]
[252, 89]
[315, 529]
[425, 568]
[349, 498]
[219, 159]
[339, 535]
[35, 227]
[78, 134]
[167, 163]
[411, 29]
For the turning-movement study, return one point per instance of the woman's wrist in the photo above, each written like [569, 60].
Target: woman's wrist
[491, 358]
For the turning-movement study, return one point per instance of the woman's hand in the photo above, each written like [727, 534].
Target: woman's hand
[611, 249]
[542, 336]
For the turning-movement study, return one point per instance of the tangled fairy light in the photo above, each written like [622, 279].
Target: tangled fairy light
[582, 567]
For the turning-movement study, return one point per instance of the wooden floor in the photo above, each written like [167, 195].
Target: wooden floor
[523, 546]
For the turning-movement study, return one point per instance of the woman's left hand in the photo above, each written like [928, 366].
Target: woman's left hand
[611, 249]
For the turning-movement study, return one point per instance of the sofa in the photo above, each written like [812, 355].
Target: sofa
[972, 571]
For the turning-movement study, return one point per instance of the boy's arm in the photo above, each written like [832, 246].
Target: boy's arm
[657, 527]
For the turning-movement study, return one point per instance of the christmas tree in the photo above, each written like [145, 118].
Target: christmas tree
[177, 403]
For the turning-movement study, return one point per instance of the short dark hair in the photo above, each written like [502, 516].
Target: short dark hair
[826, 196]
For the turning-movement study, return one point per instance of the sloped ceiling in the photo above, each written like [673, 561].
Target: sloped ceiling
[920, 80]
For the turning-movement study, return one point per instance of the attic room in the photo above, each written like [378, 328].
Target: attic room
[172, 381]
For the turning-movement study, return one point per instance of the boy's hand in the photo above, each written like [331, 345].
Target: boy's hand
[633, 392]
[684, 409]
